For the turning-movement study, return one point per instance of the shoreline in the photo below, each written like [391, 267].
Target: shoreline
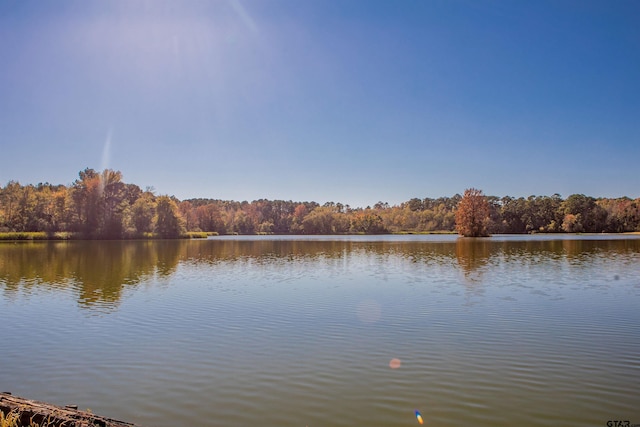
[69, 236]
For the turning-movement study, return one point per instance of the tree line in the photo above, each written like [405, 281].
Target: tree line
[101, 205]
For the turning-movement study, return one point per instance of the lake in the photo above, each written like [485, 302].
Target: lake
[327, 331]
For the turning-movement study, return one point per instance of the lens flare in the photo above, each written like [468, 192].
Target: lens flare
[106, 150]
[395, 363]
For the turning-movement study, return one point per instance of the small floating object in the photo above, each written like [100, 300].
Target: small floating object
[419, 417]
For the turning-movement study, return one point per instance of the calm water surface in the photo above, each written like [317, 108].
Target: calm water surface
[295, 331]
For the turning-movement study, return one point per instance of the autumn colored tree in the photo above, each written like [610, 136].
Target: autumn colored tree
[472, 214]
[143, 212]
[61, 204]
[85, 193]
[623, 214]
[113, 202]
[169, 224]
[367, 222]
[26, 209]
[9, 197]
[325, 220]
[572, 223]
[583, 214]
[282, 215]
[242, 223]
[188, 213]
[299, 213]
[101, 203]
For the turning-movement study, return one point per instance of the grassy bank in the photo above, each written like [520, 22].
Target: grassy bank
[425, 232]
[65, 235]
[36, 235]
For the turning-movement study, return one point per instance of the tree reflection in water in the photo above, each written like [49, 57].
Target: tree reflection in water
[472, 254]
[98, 271]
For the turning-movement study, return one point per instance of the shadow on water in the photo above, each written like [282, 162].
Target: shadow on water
[99, 271]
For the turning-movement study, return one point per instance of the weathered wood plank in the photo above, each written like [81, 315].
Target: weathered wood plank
[40, 413]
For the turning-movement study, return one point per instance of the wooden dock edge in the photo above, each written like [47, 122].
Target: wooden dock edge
[47, 415]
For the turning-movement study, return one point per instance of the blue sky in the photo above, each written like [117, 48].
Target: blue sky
[353, 101]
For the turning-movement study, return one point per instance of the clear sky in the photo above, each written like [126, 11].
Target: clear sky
[352, 101]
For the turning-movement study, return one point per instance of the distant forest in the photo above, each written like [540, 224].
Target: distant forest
[101, 205]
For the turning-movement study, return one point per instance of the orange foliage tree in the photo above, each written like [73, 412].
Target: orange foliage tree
[472, 214]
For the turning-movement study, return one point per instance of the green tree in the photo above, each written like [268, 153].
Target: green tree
[472, 214]
[589, 216]
[512, 211]
[415, 204]
[549, 213]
